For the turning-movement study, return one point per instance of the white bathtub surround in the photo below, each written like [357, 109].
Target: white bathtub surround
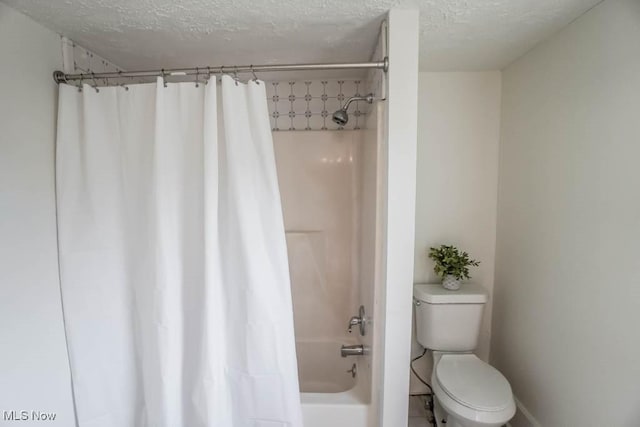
[321, 181]
[371, 237]
[331, 396]
[345, 409]
[322, 370]
[174, 271]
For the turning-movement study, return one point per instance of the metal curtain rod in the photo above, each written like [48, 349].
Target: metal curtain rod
[61, 77]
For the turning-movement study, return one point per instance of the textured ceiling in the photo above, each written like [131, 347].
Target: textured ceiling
[454, 34]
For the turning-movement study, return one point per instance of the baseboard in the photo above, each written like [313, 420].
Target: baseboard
[523, 417]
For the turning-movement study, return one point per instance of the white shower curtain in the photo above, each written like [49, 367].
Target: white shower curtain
[174, 272]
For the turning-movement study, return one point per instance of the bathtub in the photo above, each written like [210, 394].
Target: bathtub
[330, 396]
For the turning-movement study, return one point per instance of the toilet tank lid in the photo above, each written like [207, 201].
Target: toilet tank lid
[469, 293]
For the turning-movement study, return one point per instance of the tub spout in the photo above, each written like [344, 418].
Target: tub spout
[353, 350]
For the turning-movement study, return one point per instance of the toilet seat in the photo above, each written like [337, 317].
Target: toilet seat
[473, 392]
[473, 383]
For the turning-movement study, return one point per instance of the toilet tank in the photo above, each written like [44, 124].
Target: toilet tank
[448, 320]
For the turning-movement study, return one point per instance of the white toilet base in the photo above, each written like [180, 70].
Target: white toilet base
[440, 415]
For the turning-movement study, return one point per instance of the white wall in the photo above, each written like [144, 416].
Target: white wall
[567, 294]
[457, 178]
[34, 372]
[398, 160]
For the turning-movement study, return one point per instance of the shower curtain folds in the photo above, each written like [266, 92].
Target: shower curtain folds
[174, 271]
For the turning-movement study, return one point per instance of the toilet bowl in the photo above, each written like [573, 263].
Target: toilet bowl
[468, 392]
[471, 392]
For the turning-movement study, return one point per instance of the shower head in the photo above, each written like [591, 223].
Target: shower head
[341, 117]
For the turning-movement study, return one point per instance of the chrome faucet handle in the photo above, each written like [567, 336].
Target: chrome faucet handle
[359, 320]
[355, 320]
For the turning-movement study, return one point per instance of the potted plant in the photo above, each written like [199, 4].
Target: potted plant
[452, 265]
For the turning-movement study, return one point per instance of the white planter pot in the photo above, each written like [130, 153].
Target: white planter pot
[451, 283]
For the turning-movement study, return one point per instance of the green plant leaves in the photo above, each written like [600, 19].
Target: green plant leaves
[450, 260]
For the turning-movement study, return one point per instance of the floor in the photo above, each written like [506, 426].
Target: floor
[419, 415]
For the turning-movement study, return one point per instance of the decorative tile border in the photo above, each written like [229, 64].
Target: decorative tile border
[309, 104]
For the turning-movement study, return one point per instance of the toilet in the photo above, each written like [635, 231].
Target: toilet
[468, 392]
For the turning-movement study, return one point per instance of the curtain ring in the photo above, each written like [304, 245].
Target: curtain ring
[235, 75]
[223, 72]
[197, 75]
[164, 77]
[80, 82]
[122, 84]
[95, 83]
[255, 78]
[208, 75]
